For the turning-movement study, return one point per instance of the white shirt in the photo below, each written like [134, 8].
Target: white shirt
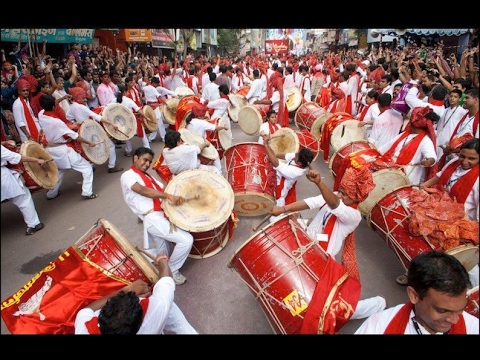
[256, 91]
[386, 126]
[445, 126]
[200, 126]
[412, 100]
[378, 322]
[20, 118]
[291, 173]
[182, 157]
[80, 112]
[210, 92]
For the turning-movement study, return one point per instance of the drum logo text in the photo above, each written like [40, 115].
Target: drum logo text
[295, 302]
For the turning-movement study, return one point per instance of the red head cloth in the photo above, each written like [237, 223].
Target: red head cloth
[82, 85]
[457, 142]
[199, 111]
[77, 93]
[357, 183]
[31, 80]
[420, 119]
[22, 84]
[6, 64]
[338, 93]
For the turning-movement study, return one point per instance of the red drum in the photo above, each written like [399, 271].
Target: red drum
[207, 212]
[317, 126]
[107, 248]
[307, 114]
[35, 177]
[283, 268]
[362, 153]
[307, 140]
[472, 302]
[253, 178]
[184, 108]
[389, 217]
[251, 117]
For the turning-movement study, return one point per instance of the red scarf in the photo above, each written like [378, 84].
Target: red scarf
[150, 182]
[32, 127]
[364, 111]
[474, 126]
[291, 196]
[462, 186]
[162, 170]
[349, 258]
[273, 127]
[92, 324]
[400, 321]
[437, 102]
[407, 152]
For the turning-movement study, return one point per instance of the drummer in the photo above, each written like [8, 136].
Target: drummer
[79, 112]
[287, 172]
[337, 218]
[269, 126]
[197, 121]
[14, 189]
[154, 96]
[277, 98]
[58, 135]
[130, 104]
[179, 156]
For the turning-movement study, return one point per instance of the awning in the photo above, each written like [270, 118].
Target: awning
[426, 32]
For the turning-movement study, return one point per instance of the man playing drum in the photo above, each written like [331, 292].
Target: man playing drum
[270, 126]
[79, 112]
[58, 134]
[14, 189]
[136, 310]
[144, 195]
[336, 221]
[179, 156]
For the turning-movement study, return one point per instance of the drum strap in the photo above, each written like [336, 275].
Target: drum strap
[92, 324]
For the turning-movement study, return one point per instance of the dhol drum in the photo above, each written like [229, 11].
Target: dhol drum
[183, 91]
[472, 302]
[307, 114]
[205, 213]
[252, 177]
[208, 154]
[317, 126]
[184, 108]
[150, 121]
[34, 176]
[221, 139]
[91, 130]
[123, 117]
[362, 153]
[294, 98]
[169, 110]
[250, 117]
[284, 140]
[105, 247]
[307, 140]
[284, 269]
[389, 217]
[237, 102]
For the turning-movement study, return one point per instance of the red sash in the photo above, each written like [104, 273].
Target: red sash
[92, 324]
[462, 186]
[162, 170]
[291, 196]
[32, 127]
[399, 322]
[407, 152]
[150, 182]
[474, 126]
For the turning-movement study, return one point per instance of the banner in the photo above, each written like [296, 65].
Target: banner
[277, 47]
[59, 36]
[138, 35]
[50, 301]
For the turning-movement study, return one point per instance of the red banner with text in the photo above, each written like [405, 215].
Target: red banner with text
[276, 47]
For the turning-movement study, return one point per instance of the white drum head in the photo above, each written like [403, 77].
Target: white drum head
[192, 137]
[150, 120]
[466, 254]
[250, 120]
[210, 200]
[225, 136]
[238, 102]
[45, 175]
[123, 117]
[284, 140]
[346, 132]
[184, 91]
[169, 110]
[294, 98]
[91, 130]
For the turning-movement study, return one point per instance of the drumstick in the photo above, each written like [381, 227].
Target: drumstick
[195, 197]
[255, 228]
[143, 251]
[49, 160]
[277, 136]
[121, 132]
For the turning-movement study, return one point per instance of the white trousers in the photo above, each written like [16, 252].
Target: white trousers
[145, 142]
[26, 206]
[177, 323]
[112, 154]
[81, 165]
[158, 233]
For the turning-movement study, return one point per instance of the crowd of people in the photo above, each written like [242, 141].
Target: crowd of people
[420, 110]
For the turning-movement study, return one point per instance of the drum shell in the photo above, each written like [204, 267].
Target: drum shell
[209, 217]
[389, 218]
[106, 247]
[307, 114]
[252, 177]
[273, 268]
[472, 302]
[307, 140]
[184, 108]
[360, 146]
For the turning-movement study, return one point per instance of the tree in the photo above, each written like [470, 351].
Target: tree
[231, 41]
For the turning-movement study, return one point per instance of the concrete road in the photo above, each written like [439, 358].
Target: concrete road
[214, 299]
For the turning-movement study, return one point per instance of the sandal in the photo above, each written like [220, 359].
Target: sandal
[53, 197]
[402, 280]
[91, 196]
